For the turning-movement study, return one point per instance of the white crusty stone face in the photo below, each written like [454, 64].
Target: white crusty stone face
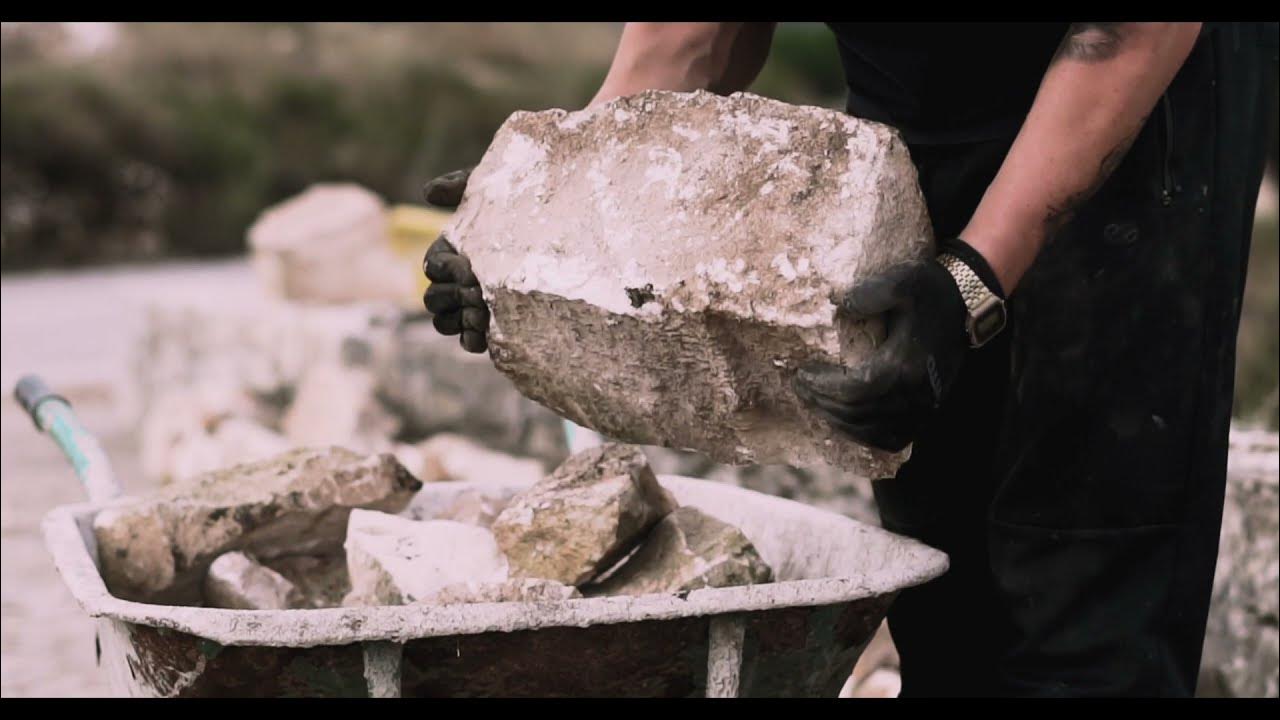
[658, 266]
[392, 560]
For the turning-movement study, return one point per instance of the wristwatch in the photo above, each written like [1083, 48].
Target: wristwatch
[987, 314]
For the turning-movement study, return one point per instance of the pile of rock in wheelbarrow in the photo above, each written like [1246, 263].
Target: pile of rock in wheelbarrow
[326, 527]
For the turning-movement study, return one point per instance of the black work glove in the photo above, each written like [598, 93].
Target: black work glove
[454, 296]
[885, 401]
[446, 190]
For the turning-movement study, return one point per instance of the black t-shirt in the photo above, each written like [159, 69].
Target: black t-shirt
[946, 82]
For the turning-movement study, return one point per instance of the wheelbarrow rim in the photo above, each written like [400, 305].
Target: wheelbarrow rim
[68, 539]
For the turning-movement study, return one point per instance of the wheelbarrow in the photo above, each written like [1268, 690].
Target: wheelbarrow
[798, 636]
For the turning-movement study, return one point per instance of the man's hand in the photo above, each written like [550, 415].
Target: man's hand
[885, 401]
[454, 296]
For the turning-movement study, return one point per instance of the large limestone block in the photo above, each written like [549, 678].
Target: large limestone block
[688, 550]
[157, 548]
[584, 517]
[393, 560]
[659, 265]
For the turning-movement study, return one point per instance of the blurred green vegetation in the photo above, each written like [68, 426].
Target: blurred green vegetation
[170, 143]
[1257, 397]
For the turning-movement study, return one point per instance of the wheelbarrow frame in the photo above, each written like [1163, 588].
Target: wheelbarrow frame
[383, 632]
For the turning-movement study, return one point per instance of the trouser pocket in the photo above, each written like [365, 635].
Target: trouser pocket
[1091, 613]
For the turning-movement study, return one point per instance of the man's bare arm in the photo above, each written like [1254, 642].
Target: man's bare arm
[720, 57]
[1093, 101]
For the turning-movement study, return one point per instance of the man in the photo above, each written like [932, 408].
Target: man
[1065, 367]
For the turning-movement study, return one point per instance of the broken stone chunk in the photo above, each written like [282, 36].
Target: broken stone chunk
[335, 404]
[514, 590]
[688, 550]
[238, 582]
[394, 561]
[208, 426]
[329, 244]
[659, 265]
[474, 508]
[157, 548]
[450, 457]
[321, 580]
[583, 517]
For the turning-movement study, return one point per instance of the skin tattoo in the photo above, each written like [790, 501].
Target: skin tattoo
[1089, 43]
[1092, 42]
[1061, 213]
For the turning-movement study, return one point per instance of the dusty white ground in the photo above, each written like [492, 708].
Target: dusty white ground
[78, 330]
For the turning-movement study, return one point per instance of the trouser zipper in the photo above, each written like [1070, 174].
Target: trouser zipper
[1167, 186]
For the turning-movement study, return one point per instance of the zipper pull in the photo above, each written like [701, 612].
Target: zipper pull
[1166, 191]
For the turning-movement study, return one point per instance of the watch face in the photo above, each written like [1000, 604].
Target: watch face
[987, 324]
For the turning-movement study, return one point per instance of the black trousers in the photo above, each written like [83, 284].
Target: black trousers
[1076, 474]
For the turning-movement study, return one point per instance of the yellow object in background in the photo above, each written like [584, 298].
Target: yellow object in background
[412, 229]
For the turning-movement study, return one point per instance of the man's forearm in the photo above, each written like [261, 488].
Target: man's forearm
[1093, 101]
[721, 57]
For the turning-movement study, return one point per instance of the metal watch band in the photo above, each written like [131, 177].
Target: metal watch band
[985, 308]
[976, 294]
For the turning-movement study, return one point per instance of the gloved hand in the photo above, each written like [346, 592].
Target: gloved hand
[446, 190]
[886, 400]
[454, 296]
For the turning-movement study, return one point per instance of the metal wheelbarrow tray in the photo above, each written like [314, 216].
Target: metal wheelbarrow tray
[799, 636]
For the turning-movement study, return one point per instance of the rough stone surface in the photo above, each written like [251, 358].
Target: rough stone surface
[436, 387]
[223, 443]
[1242, 643]
[329, 244]
[688, 550]
[227, 364]
[658, 266]
[335, 405]
[583, 517]
[261, 348]
[265, 350]
[514, 590]
[238, 582]
[157, 548]
[393, 560]
[826, 487]
[321, 580]
[452, 457]
[474, 508]
[210, 425]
